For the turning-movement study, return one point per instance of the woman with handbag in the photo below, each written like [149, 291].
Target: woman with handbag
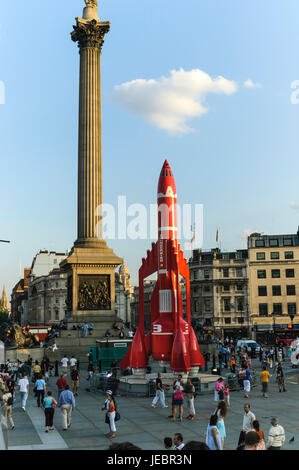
[110, 406]
[178, 399]
[49, 404]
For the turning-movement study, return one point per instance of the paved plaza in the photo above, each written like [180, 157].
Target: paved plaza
[146, 426]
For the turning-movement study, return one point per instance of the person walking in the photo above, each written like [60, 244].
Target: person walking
[67, 404]
[84, 330]
[24, 390]
[252, 441]
[276, 436]
[11, 385]
[64, 362]
[160, 395]
[260, 432]
[213, 437]
[40, 390]
[49, 404]
[110, 406]
[248, 419]
[219, 390]
[264, 375]
[280, 378]
[61, 384]
[7, 401]
[75, 378]
[247, 382]
[178, 399]
[189, 391]
[227, 395]
[36, 371]
[73, 362]
[221, 412]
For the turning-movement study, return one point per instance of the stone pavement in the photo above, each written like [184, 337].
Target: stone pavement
[145, 426]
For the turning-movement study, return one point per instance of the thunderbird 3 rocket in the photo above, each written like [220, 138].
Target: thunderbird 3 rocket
[171, 339]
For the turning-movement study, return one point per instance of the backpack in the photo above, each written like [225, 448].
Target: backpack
[74, 375]
[9, 401]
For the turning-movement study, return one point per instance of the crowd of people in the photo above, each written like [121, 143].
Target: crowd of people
[16, 376]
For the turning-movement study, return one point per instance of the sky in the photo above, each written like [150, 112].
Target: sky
[205, 84]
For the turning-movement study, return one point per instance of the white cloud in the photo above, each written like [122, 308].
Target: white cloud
[169, 102]
[294, 206]
[250, 84]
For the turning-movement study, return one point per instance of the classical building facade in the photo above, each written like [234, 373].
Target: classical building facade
[273, 272]
[47, 289]
[219, 292]
[124, 292]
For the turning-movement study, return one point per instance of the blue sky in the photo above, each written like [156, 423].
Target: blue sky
[240, 163]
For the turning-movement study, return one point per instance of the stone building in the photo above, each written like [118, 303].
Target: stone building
[19, 297]
[123, 294]
[47, 289]
[219, 293]
[273, 272]
[3, 300]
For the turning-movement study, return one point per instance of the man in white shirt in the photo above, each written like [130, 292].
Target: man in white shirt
[73, 362]
[276, 436]
[64, 362]
[24, 390]
[248, 419]
[178, 441]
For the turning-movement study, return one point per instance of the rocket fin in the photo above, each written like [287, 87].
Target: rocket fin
[180, 358]
[196, 358]
[136, 357]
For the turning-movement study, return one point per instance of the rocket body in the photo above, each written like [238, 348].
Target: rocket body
[171, 338]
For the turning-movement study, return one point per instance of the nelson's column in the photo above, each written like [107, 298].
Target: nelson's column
[91, 265]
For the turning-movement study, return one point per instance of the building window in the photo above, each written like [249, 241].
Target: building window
[56, 315]
[290, 273]
[195, 274]
[55, 261]
[226, 287]
[262, 290]
[291, 290]
[240, 305]
[56, 284]
[206, 274]
[206, 288]
[277, 309]
[226, 305]
[275, 273]
[239, 272]
[259, 243]
[276, 290]
[273, 242]
[261, 274]
[274, 255]
[225, 256]
[261, 255]
[263, 310]
[225, 272]
[207, 305]
[292, 308]
[195, 290]
[287, 242]
[240, 320]
[289, 255]
[227, 321]
[239, 287]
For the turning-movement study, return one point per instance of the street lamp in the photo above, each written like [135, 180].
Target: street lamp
[274, 332]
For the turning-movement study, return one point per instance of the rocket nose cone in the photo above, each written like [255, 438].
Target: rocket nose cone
[166, 179]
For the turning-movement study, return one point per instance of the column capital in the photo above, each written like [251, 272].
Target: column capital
[90, 33]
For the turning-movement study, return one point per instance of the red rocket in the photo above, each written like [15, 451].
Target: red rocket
[171, 338]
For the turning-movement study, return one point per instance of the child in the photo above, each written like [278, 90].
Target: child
[227, 395]
[270, 362]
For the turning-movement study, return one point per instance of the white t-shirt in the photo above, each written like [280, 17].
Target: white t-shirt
[64, 361]
[23, 384]
[73, 361]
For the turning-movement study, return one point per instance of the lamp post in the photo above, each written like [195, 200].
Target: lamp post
[274, 332]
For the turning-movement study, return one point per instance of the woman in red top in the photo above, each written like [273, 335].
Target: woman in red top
[110, 406]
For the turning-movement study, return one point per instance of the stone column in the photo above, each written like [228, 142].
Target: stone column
[90, 37]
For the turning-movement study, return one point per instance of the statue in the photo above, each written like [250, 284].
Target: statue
[91, 3]
[13, 336]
